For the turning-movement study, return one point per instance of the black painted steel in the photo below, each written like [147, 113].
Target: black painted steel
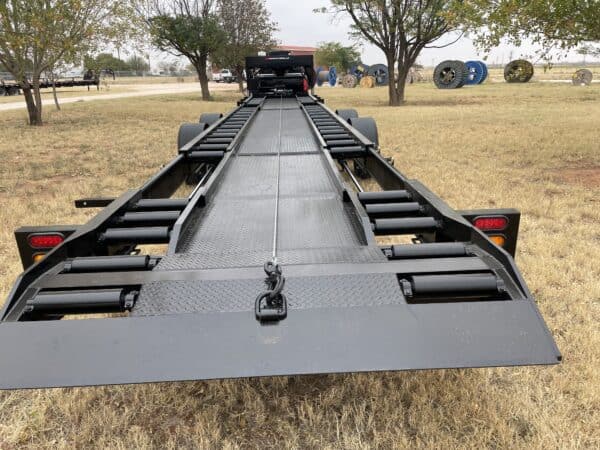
[439, 249]
[107, 264]
[351, 305]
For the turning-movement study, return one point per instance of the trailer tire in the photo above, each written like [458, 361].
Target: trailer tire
[209, 118]
[367, 127]
[450, 75]
[347, 114]
[2, 91]
[189, 131]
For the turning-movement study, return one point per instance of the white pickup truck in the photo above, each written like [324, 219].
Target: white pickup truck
[224, 76]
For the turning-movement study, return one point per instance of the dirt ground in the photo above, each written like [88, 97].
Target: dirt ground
[534, 147]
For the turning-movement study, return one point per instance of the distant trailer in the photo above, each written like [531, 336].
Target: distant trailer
[8, 88]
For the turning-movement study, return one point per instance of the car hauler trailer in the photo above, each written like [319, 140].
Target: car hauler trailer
[272, 264]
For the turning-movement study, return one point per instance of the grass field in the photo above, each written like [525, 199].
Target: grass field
[534, 147]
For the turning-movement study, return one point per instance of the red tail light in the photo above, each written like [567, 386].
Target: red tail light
[491, 223]
[49, 240]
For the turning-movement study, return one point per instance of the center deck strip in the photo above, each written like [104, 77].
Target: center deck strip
[236, 228]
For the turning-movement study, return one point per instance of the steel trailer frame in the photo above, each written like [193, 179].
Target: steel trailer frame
[452, 298]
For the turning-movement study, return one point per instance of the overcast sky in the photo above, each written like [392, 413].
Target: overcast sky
[298, 25]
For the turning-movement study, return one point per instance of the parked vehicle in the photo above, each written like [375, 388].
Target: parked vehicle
[224, 76]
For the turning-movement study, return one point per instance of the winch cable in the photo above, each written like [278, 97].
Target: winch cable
[276, 303]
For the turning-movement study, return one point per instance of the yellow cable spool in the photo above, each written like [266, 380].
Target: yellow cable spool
[367, 82]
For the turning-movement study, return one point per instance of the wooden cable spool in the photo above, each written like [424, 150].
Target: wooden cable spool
[367, 82]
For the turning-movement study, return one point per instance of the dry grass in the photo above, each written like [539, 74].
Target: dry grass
[534, 147]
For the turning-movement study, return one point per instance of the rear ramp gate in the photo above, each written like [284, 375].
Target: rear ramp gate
[272, 267]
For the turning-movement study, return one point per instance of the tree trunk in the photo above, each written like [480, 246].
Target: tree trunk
[394, 98]
[54, 93]
[38, 99]
[401, 83]
[31, 108]
[203, 77]
[240, 77]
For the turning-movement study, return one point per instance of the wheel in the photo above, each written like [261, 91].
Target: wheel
[380, 73]
[518, 71]
[367, 127]
[189, 131]
[583, 77]
[2, 91]
[347, 114]
[209, 118]
[476, 72]
[450, 75]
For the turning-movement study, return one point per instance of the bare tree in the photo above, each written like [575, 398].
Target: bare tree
[248, 28]
[400, 28]
[187, 28]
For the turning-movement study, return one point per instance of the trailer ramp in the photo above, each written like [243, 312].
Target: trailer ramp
[452, 299]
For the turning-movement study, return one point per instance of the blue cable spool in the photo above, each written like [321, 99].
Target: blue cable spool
[359, 70]
[476, 72]
[485, 72]
[318, 71]
[332, 76]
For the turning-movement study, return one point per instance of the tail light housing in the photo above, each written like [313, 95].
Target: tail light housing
[45, 240]
[491, 223]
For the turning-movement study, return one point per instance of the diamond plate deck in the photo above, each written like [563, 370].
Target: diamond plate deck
[184, 297]
[235, 229]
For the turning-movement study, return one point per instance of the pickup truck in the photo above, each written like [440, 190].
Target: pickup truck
[224, 76]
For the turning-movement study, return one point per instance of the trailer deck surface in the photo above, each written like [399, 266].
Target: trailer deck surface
[236, 228]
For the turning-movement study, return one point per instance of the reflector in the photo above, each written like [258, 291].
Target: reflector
[38, 257]
[499, 240]
[491, 223]
[45, 240]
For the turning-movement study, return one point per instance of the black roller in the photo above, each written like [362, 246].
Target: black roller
[407, 225]
[211, 147]
[354, 151]
[384, 196]
[445, 284]
[154, 217]
[137, 235]
[218, 140]
[377, 210]
[161, 204]
[206, 156]
[81, 302]
[222, 134]
[339, 142]
[107, 264]
[331, 135]
[333, 128]
[433, 250]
